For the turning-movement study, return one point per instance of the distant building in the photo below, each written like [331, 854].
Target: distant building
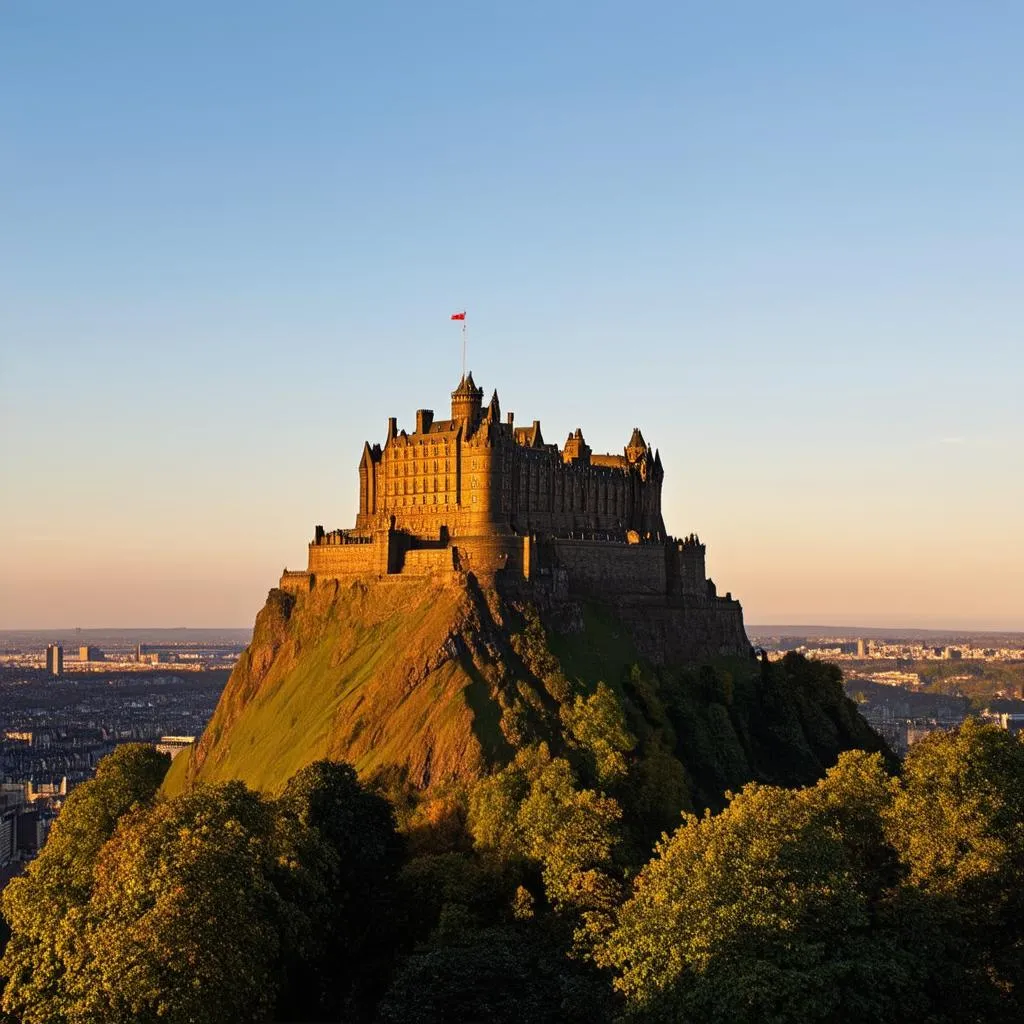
[861, 649]
[89, 653]
[55, 660]
[1011, 721]
[47, 790]
[174, 745]
[20, 834]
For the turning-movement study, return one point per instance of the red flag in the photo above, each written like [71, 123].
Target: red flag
[459, 316]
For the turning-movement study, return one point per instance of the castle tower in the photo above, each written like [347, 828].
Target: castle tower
[466, 401]
[637, 446]
[576, 449]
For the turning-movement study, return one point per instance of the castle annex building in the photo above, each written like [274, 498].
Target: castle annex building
[476, 493]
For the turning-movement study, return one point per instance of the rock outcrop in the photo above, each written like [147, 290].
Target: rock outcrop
[440, 680]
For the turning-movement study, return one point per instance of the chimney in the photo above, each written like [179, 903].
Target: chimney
[424, 417]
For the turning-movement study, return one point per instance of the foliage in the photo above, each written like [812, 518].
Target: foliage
[341, 854]
[533, 813]
[959, 820]
[861, 898]
[58, 883]
[503, 974]
[756, 914]
[183, 920]
[597, 725]
[958, 826]
[217, 905]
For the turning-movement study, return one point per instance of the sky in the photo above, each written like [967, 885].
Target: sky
[785, 239]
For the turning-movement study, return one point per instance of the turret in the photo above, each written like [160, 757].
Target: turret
[466, 401]
[637, 446]
[494, 409]
[576, 449]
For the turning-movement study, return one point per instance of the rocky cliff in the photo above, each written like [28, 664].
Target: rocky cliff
[442, 679]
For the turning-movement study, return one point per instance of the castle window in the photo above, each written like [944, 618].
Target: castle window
[474, 499]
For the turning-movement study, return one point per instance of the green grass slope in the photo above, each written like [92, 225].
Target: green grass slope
[368, 674]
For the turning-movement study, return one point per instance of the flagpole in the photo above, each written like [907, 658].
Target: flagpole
[463, 348]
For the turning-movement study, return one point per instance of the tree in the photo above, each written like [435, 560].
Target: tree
[217, 905]
[184, 922]
[958, 825]
[504, 975]
[597, 725]
[764, 912]
[533, 812]
[343, 853]
[60, 879]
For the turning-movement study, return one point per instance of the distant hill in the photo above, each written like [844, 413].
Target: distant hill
[442, 681]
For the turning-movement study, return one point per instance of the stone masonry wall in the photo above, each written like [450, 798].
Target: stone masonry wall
[426, 562]
[344, 559]
[687, 630]
[607, 568]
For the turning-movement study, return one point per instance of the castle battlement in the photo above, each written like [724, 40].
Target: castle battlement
[476, 493]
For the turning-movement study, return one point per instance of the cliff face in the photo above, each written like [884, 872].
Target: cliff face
[371, 673]
[443, 680]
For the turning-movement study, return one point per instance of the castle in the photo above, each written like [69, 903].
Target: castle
[475, 493]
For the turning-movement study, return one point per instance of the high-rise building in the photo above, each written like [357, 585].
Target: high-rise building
[55, 660]
[89, 653]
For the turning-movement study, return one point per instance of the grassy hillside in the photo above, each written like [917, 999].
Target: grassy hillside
[442, 681]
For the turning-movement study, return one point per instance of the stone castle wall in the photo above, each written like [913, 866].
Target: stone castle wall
[687, 629]
[327, 560]
[485, 555]
[615, 569]
[427, 561]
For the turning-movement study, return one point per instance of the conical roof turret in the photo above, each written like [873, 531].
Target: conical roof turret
[466, 401]
[467, 387]
[637, 440]
[494, 409]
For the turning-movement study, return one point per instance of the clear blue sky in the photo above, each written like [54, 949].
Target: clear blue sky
[786, 239]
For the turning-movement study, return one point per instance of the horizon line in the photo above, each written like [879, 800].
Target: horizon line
[747, 626]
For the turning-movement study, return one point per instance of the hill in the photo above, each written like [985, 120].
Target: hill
[440, 680]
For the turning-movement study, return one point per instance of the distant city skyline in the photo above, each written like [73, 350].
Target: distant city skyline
[786, 241]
